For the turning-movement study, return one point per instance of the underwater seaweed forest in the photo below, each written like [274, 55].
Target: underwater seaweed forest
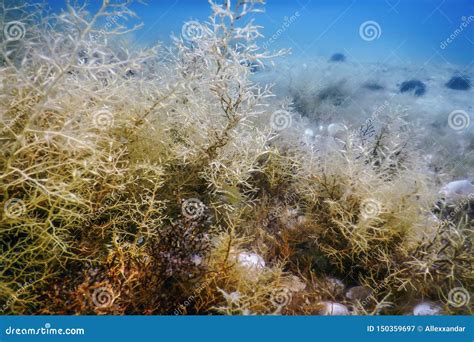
[213, 173]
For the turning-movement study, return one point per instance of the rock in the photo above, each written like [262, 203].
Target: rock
[293, 283]
[252, 65]
[333, 94]
[458, 190]
[309, 133]
[359, 293]
[334, 309]
[459, 83]
[289, 217]
[373, 86]
[427, 309]
[251, 261]
[335, 286]
[335, 130]
[416, 87]
[338, 57]
[196, 259]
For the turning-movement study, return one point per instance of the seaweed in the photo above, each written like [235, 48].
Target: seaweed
[159, 181]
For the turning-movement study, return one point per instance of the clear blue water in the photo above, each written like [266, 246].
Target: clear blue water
[411, 31]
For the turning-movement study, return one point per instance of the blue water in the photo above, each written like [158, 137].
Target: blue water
[411, 31]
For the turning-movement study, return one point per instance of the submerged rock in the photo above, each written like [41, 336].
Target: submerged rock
[458, 190]
[335, 286]
[334, 309]
[358, 293]
[416, 87]
[338, 57]
[373, 86]
[335, 130]
[333, 94]
[293, 283]
[251, 260]
[253, 66]
[196, 259]
[459, 83]
[427, 309]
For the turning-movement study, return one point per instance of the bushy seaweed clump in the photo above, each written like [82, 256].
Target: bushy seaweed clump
[167, 182]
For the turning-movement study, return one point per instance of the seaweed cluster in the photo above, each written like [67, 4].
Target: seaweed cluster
[167, 181]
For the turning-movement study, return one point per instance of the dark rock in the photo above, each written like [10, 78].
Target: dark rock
[252, 65]
[338, 57]
[413, 86]
[358, 293]
[459, 83]
[333, 94]
[373, 86]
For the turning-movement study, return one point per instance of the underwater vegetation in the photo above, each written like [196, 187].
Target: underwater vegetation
[167, 180]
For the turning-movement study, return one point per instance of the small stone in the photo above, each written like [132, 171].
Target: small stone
[334, 309]
[293, 283]
[461, 189]
[196, 259]
[309, 132]
[427, 309]
[335, 130]
[335, 286]
[373, 86]
[234, 296]
[358, 293]
[251, 260]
